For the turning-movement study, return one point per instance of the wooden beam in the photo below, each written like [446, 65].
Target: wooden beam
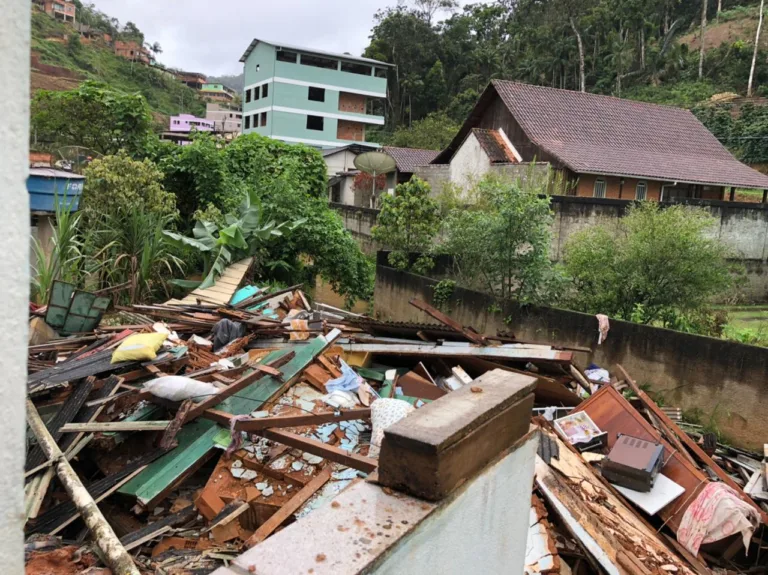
[115, 555]
[690, 444]
[451, 323]
[235, 388]
[364, 464]
[300, 420]
[289, 508]
[511, 352]
[115, 426]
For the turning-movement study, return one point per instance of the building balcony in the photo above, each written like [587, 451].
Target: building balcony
[303, 75]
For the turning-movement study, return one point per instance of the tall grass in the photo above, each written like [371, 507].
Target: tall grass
[131, 248]
[65, 259]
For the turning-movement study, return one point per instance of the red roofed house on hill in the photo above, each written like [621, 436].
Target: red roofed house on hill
[607, 147]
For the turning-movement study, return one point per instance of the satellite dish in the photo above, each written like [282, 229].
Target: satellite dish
[375, 163]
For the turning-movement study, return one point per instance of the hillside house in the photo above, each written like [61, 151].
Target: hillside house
[342, 171]
[407, 160]
[193, 80]
[225, 120]
[317, 98]
[182, 126]
[64, 10]
[606, 147]
[217, 93]
[132, 50]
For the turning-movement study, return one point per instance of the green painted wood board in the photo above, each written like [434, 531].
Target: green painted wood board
[196, 438]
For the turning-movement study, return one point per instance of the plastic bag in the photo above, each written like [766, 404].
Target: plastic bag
[140, 347]
[178, 388]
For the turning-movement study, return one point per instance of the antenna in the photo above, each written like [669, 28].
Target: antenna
[375, 163]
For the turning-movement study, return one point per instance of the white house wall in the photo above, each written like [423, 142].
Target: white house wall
[470, 163]
[343, 161]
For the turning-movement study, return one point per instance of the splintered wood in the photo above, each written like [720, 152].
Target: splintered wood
[604, 525]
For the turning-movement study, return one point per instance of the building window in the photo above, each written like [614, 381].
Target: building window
[319, 62]
[352, 68]
[641, 191]
[381, 72]
[336, 193]
[315, 123]
[247, 122]
[317, 94]
[256, 93]
[600, 188]
[265, 90]
[286, 56]
[263, 119]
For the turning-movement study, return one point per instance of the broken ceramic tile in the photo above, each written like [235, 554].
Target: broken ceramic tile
[312, 459]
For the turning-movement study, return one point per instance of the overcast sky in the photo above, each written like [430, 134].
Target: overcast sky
[209, 36]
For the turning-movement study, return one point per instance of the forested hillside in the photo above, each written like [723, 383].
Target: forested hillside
[642, 49]
[58, 44]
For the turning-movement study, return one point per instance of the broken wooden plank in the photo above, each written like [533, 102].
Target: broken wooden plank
[115, 426]
[88, 413]
[145, 534]
[66, 413]
[321, 449]
[600, 520]
[414, 385]
[513, 351]
[115, 555]
[238, 386]
[690, 444]
[289, 508]
[612, 413]
[451, 323]
[196, 438]
[168, 441]
[284, 421]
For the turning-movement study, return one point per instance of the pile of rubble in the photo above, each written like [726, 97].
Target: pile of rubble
[173, 437]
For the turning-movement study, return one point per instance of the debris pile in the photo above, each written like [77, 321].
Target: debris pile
[173, 437]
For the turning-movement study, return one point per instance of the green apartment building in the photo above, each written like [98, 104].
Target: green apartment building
[312, 97]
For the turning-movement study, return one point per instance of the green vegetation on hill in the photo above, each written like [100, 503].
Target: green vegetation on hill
[96, 61]
[646, 50]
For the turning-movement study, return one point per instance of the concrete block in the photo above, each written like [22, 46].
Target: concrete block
[440, 446]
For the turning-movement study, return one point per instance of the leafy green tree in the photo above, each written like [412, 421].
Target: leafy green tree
[245, 232]
[290, 182]
[198, 176]
[118, 184]
[408, 223]
[93, 116]
[500, 243]
[661, 265]
[434, 132]
[255, 159]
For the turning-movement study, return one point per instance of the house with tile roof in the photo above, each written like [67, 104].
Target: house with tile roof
[606, 147]
[342, 172]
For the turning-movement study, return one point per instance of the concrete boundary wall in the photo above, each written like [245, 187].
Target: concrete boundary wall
[725, 381]
[742, 227]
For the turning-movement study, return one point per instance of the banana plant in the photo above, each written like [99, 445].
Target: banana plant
[246, 231]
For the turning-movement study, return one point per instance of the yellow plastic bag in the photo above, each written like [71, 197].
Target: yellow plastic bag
[142, 347]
